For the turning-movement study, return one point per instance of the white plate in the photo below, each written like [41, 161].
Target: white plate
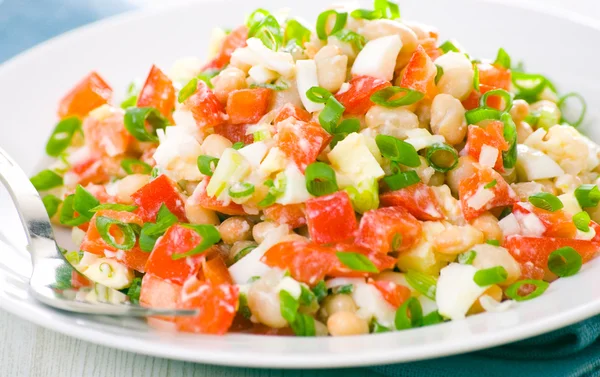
[124, 47]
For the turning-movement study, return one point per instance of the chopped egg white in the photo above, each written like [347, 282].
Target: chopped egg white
[571, 205]
[101, 293]
[509, 225]
[306, 78]
[275, 161]
[295, 186]
[456, 290]
[533, 164]
[110, 273]
[185, 69]
[420, 138]
[371, 304]
[378, 58]
[338, 282]
[488, 156]
[493, 306]
[259, 74]
[256, 53]
[254, 153]
[481, 197]
[77, 236]
[352, 158]
[531, 225]
[178, 152]
[291, 286]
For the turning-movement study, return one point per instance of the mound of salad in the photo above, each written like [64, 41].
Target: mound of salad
[348, 177]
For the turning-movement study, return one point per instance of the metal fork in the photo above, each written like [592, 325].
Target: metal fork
[46, 257]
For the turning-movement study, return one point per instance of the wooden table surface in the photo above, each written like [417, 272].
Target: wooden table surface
[27, 350]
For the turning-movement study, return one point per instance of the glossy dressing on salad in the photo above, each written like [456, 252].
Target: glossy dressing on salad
[348, 177]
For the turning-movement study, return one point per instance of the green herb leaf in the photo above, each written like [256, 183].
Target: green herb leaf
[151, 232]
[356, 261]
[409, 314]
[51, 203]
[133, 166]
[46, 180]
[134, 291]
[210, 236]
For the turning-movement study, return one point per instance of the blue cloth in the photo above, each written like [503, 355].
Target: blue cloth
[570, 352]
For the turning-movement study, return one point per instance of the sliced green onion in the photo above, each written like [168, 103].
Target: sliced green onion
[476, 82]
[509, 157]
[398, 150]
[131, 96]
[51, 203]
[448, 46]
[546, 201]
[563, 110]
[340, 22]
[587, 195]
[506, 96]
[442, 157]
[482, 113]
[356, 261]
[505, 212]
[295, 31]
[348, 36]
[133, 166]
[490, 276]
[207, 164]
[304, 325]
[565, 262]
[491, 184]
[151, 232]
[136, 119]
[134, 291]
[512, 292]
[242, 253]
[320, 179]
[409, 314]
[283, 85]
[582, 221]
[67, 213]
[114, 207]
[348, 126]
[388, 9]
[439, 73]
[84, 202]
[241, 190]
[423, 283]
[206, 76]
[401, 180]
[332, 113]
[467, 257]
[378, 328]
[238, 145]
[502, 59]
[432, 318]
[529, 85]
[344, 289]
[46, 180]
[320, 291]
[210, 236]
[288, 306]
[187, 91]
[104, 224]
[256, 17]
[62, 135]
[155, 172]
[364, 196]
[268, 31]
[318, 95]
[493, 242]
[382, 97]
[366, 14]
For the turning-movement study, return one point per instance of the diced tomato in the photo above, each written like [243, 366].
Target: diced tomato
[492, 136]
[214, 271]
[419, 74]
[289, 110]
[234, 132]
[159, 293]
[201, 198]
[393, 293]
[301, 141]
[205, 107]
[536, 250]
[107, 136]
[152, 196]
[380, 261]
[418, 199]
[388, 229]
[177, 240]
[234, 40]
[248, 105]
[291, 214]
[431, 48]
[79, 281]
[216, 305]
[558, 223]
[87, 171]
[158, 92]
[357, 99]
[88, 94]
[596, 228]
[473, 101]
[495, 76]
[331, 218]
[100, 193]
[474, 197]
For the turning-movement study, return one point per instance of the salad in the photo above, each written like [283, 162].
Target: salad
[353, 176]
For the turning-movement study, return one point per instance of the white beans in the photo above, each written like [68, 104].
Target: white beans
[260, 230]
[197, 214]
[523, 131]
[463, 170]
[494, 291]
[488, 256]
[263, 300]
[331, 68]
[394, 122]
[448, 118]
[130, 184]
[239, 246]
[382, 28]
[235, 229]
[457, 239]
[347, 323]
[457, 79]
[214, 145]
[519, 111]
[337, 303]
[227, 81]
[488, 225]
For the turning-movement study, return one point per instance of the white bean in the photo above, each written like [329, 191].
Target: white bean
[214, 145]
[227, 81]
[129, 185]
[235, 229]
[448, 118]
[347, 323]
[457, 79]
[331, 68]
[391, 121]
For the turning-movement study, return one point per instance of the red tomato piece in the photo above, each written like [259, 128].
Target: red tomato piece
[596, 227]
[306, 262]
[301, 141]
[234, 40]
[558, 223]
[205, 107]
[474, 197]
[291, 214]
[493, 136]
[79, 281]
[418, 199]
[473, 101]
[215, 272]
[159, 293]
[234, 132]
[388, 229]
[331, 218]
[216, 305]
[89, 170]
[88, 94]
[357, 99]
[152, 196]
[380, 261]
[431, 48]
[158, 92]
[248, 105]
[177, 240]
[107, 136]
[495, 76]
[419, 74]
[393, 293]
[288, 110]
[200, 197]
[536, 250]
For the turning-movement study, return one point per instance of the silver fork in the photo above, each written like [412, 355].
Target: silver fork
[46, 257]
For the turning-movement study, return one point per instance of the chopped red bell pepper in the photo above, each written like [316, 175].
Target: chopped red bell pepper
[234, 132]
[558, 223]
[158, 92]
[234, 40]
[91, 92]
[201, 198]
[293, 215]
[215, 272]
[301, 141]
[388, 229]
[152, 196]
[418, 199]
[205, 107]
[159, 293]
[475, 199]
[393, 293]
[419, 74]
[493, 136]
[495, 76]
[357, 99]
[331, 218]
[248, 105]
[289, 110]
[474, 99]
[107, 136]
